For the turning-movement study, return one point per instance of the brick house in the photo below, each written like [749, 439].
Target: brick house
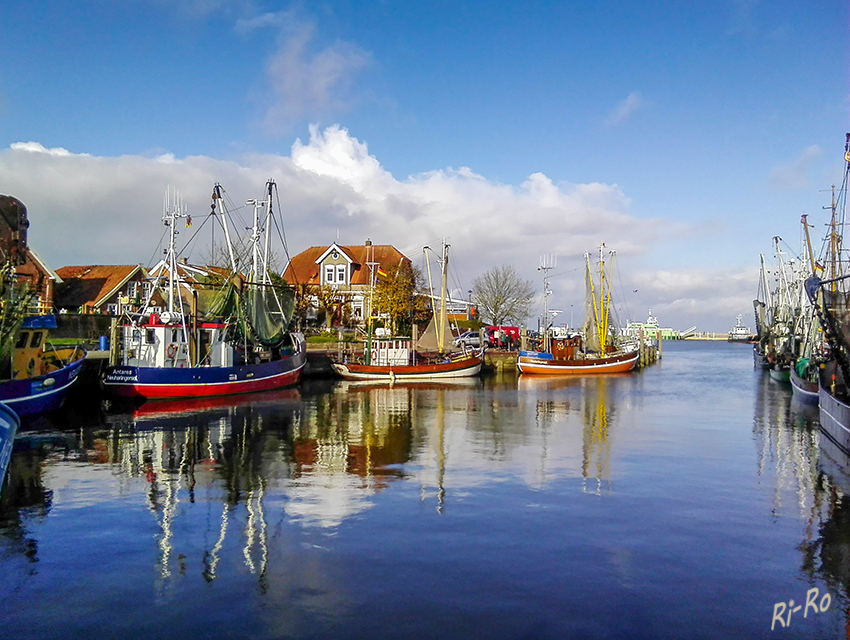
[107, 289]
[345, 269]
[40, 277]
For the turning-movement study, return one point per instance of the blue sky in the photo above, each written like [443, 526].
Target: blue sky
[683, 134]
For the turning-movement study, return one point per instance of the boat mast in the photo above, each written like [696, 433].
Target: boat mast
[255, 239]
[370, 262]
[270, 185]
[806, 225]
[602, 326]
[441, 329]
[546, 264]
[216, 199]
[172, 211]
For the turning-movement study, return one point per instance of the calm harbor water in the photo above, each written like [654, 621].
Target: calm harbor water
[688, 500]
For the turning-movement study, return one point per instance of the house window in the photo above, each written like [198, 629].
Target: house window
[146, 289]
[340, 274]
[132, 289]
[112, 309]
[329, 274]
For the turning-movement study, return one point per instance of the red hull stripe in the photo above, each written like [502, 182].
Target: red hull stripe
[206, 389]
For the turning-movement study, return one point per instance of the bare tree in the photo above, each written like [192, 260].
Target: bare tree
[502, 296]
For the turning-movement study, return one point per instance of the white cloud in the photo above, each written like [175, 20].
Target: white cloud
[625, 109]
[36, 147]
[246, 25]
[88, 209]
[795, 175]
[305, 82]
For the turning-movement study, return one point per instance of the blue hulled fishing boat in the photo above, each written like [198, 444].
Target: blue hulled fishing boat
[221, 332]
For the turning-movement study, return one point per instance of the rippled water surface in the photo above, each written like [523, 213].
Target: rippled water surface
[684, 501]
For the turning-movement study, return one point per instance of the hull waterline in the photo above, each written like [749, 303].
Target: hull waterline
[43, 393]
[410, 373]
[803, 389]
[197, 382]
[536, 365]
[834, 416]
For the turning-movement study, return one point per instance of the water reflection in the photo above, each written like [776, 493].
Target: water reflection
[591, 399]
[806, 465]
[315, 510]
[786, 433]
[346, 448]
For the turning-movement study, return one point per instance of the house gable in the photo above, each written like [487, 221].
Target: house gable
[307, 267]
[93, 286]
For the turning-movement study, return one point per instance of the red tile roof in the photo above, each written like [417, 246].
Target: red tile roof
[302, 269]
[87, 285]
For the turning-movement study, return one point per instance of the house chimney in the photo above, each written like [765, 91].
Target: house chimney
[368, 242]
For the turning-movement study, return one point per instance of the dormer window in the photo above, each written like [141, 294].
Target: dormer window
[329, 273]
[340, 274]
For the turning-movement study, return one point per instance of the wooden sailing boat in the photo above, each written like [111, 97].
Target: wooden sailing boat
[405, 359]
[239, 344]
[598, 349]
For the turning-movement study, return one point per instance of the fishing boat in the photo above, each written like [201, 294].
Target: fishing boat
[220, 333]
[599, 348]
[803, 377]
[41, 374]
[808, 345]
[403, 359]
[783, 323]
[760, 307]
[35, 375]
[830, 297]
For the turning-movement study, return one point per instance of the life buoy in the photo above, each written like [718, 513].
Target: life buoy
[171, 350]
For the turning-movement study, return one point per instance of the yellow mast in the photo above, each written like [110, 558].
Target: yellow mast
[804, 220]
[603, 305]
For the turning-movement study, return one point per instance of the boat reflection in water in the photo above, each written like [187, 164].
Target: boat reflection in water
[590, 398]
[811, 475]
[513, 506]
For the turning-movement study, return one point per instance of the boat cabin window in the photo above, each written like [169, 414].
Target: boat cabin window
[150, 336]
[22, 340]
[176, 335]
[137, 335]
[36, 339]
